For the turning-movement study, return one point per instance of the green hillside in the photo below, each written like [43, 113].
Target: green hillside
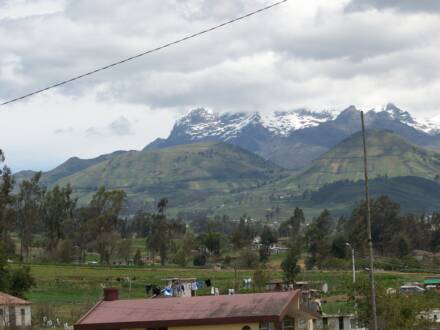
[388, 155]
[414, 194]
[182, 173]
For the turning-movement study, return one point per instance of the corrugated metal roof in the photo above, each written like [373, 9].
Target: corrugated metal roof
[194, 310]
[432, 281]
[7, 299]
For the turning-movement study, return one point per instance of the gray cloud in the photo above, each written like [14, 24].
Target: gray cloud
[428, 6]
[321, 54]
[121, 126]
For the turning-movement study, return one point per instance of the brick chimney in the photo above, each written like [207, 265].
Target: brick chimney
[111, 294]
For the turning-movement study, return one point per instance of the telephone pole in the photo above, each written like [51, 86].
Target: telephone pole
[370, 240]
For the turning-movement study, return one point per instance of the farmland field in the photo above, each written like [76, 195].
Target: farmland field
[67, 291]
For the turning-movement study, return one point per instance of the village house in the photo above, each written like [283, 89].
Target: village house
[14, 312]
[338, 322]
[256, 311]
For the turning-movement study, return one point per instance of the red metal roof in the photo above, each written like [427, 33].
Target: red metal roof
[188, 311]
[7, 299]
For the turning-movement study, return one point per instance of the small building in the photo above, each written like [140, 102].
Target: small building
[411, 289]
[337, 322]
[432, 283]
[432, 315]
[14, 311]
[255, 311]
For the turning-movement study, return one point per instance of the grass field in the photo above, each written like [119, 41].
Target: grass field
[67, 291]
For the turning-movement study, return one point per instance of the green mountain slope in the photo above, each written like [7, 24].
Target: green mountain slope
[388, 155]
[182, 173]
[414, 194]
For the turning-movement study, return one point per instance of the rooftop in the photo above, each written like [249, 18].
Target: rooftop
[7, 299]
[200, 310]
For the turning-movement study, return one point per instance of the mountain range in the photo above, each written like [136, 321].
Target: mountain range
[292, 139]
[239, 163]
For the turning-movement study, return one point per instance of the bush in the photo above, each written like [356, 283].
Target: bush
[65, 251]
[180, 258]
[248, 259]
[336, 264]
[199, 260]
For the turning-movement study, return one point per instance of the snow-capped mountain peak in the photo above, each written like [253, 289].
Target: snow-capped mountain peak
[203, 123]
[285, 122]
[393, 112]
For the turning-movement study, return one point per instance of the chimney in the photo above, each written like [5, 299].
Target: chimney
[111, 294]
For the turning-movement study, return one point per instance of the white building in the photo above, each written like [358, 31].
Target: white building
[432, 315]
[14, 311]
[337, 322]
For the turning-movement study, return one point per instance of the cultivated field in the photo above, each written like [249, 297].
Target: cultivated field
[67, 291]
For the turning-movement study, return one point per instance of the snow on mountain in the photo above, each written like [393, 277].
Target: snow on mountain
[428, 126]
[203, 123]
[284, 122]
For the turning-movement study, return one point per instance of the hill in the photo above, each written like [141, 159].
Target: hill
[414, 194]
[69, 167]
[388, 155]
[183, 174]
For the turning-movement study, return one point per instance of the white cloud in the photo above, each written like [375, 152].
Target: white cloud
[315, 53]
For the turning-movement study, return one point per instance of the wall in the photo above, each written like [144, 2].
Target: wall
[254, 326]
[18, 318]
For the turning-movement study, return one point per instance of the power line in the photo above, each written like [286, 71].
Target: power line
[146, 52]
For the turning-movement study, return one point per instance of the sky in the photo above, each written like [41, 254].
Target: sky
[318, 54]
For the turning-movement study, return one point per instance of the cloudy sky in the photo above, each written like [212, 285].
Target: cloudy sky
[313, 53]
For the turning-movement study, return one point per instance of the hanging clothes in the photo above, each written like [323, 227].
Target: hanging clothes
[247, 283]
[200, 284]
[212, 290]
[217, 292]
[208, 282]
[168, 292]
[156, 290]
[231, 292]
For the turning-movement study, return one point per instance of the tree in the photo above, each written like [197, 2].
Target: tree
[339, 247]
[385, 223]
[293, 228]
[28, 209]
[212, 241]
[248, 259]
[106, 245]
[180, 258]
[290, 266]
[125, 249]
[57, 207]
[7, 211]
[317, 239]
[21, 281]
[394, 311]
[162, 206]
[400, 246]
[65, 251]
[268, 237]
[243, 234]
[14, 281]
[137, 259]
[163, 232]
[260, 277]
[101, 220]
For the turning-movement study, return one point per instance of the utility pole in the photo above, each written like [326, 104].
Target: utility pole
[370, 240]
[352, 261]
